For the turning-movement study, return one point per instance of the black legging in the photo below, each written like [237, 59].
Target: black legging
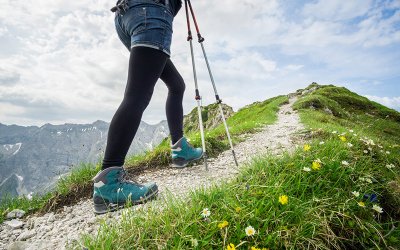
[146, 66]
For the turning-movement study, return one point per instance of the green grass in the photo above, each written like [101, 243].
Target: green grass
[321, 213]
[78, 184]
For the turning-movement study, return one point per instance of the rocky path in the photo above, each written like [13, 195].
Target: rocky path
[56, 231]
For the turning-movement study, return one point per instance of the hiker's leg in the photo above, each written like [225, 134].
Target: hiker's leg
[182, 152]
[145, 68]
[174, 108]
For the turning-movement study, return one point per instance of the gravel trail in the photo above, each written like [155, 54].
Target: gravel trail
[57, 230]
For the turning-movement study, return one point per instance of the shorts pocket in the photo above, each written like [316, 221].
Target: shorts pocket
[135, 20]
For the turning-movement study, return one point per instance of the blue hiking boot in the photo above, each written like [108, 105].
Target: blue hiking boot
[112, 190]
[183, 153]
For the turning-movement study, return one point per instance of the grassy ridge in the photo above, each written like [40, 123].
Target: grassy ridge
[246, 120]
[326, 195]
[78, 184]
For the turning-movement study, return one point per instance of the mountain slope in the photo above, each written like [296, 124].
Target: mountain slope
[41, 155]
[339, 191]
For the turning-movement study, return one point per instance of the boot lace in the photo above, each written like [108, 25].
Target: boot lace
[123, 178]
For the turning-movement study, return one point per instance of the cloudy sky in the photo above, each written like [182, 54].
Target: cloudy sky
[62, 62]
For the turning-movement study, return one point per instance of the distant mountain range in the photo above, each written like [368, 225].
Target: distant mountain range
[33, 158]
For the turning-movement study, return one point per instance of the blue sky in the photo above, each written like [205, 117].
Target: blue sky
[61, 61]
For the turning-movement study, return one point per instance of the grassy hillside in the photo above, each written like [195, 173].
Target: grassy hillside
[339, 191]
[78, 184]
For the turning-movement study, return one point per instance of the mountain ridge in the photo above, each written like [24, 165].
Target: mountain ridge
[44, 153]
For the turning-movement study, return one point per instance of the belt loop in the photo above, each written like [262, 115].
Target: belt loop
[120, 7]
[167, 3]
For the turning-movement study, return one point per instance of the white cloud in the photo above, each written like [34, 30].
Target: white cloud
[70, 65]
[294, 67]
[337, 9]
[3, 31]
[391, 102]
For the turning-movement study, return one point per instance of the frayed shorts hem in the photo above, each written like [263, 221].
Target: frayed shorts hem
[150, 45]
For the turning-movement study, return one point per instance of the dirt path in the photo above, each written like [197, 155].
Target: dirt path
[55, 231]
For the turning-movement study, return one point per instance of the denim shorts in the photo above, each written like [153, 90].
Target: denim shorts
[145, 23]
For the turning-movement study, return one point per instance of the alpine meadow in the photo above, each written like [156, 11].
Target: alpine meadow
[338, 189]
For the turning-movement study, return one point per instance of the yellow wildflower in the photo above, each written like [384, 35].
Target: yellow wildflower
[307, 148]
[223, 224]
[283, 199]
[361, 204]
[316, 165]
[238, 209]
[342, 138]
[230, 247]
[255, 248]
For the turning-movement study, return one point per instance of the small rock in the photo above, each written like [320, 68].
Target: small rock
[51, 218]
[16, 213]
[12, 238]
[16, 232]
[30, 223]
[46, 228]
[67, 209]
[39, 221]
[26, 235]
[14, 224]
[18, 245]
[91, 220]
[69, 216]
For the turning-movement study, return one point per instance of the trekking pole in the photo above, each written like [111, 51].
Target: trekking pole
[197, 97]
[218, 100]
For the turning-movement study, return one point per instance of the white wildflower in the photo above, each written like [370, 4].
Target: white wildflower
[349, 145]
[366, 179]
[356, 194]
[377, 208]
[250, 231]
[206, 212]
[306, 169]
[345, 163]
[195, 243]
[390, 166]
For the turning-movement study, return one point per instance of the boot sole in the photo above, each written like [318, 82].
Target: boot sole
[181, 163]
[105, 206]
